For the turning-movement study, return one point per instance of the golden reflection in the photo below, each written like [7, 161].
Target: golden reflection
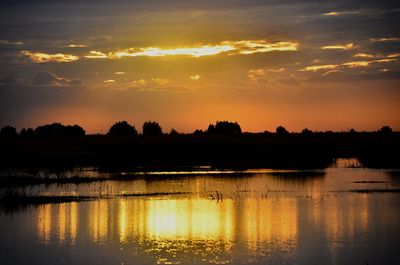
[64, 218]
[98, 220]
[123, 220]
[43, 222]
[272, 220]
[158, 224]
[176, 219]
[67, 221]
[73, 222]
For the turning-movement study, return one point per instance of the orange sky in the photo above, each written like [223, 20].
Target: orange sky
[325, 66]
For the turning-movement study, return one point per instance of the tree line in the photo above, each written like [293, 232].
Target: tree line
[150, 128]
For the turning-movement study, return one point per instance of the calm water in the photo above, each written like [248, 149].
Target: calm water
[259, 217]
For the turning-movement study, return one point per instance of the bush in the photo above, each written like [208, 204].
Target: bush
[122, 128]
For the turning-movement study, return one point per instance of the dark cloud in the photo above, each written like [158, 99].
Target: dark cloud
[50, 79]
[344, 77]
[8, 80]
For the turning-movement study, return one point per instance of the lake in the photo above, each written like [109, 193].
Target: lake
[341, 215]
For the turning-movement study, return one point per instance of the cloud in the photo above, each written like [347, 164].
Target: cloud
[315, 68]
[109, 81]
[243, 47]
[343, 13]
[226, 47]
[8, 80]
[195, 77]
[157, 85]
[292, 80]
[256, 75]
[7, 42]
[363, 55]
[338, 76]
[77, 45]
[347, 46]
[261, 46]
[50, 79]
[351, 64]
[263, 75]
[96, 55]
[120, 73]
[393, 55]
[38, 57]
[392, 39]
[205, 50]
[278, 70]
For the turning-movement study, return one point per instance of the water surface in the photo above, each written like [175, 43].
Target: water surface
[258, 217]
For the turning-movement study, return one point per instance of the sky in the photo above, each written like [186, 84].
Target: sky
[322, 65]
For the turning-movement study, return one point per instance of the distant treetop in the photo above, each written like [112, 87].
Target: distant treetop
[281, 130]
[224, 127]
[386, 129]
[57, 129]
[122, 128]
[152, 128]
[306, 131]
[8, 131]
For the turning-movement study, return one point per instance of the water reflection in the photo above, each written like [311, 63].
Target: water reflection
[43, 222]
[60, 219]
[274, 219]
[98, 220]
[251, 226]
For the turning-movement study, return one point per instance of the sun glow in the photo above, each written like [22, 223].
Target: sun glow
[244, 47]
[158, 52]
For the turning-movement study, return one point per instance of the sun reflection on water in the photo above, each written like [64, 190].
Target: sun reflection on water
[175, 229]
[60, 219]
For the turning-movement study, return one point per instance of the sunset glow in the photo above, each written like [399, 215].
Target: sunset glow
[186, 65]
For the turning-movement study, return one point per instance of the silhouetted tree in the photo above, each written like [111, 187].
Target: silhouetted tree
[8, 131]
[211, 129]
[151, 128]
[173, 132]
[306, 131]
[281, 130]
[386, 130]
[27, 132]
[224, 127]
[57, 129]
[122, 128]
[74, 130]
[198, 132]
